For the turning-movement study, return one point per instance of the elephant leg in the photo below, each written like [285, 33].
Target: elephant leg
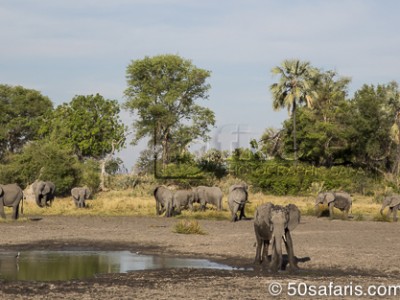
[389, 212]
[242, 215]
[15, 212]
[234, 213]
[290, 250]
[395, 209]
[331, 209]
[2, 214]
[264, 256]
[259, 243]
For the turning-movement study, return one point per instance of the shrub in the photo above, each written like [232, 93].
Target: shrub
[188, 227]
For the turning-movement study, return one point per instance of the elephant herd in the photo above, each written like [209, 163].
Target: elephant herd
[172, 202]
[272, 223]
[11, 195]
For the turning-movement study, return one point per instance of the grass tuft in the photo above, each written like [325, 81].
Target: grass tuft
[188, 227]
[381, 218]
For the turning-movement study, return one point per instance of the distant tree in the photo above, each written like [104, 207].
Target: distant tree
[162, 91]
[293, 89]
[323, 130]
[20, 118]
[374, 111]
[89, 125]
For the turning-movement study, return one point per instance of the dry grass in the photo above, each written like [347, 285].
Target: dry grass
[130, 203]
[188, 227]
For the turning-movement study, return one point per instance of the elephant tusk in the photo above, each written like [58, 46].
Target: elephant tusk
[284, 238]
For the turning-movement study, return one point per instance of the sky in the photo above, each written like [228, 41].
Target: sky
[64, 48]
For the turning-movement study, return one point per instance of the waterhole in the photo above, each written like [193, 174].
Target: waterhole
[67, 265]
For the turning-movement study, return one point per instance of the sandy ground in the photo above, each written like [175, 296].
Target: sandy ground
[332, 254]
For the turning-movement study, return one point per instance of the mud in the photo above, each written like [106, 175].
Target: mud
[331, 253]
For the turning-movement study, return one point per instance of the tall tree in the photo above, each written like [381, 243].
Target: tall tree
[162, 91]
[90, 125]
[293, 89]
[21, 115]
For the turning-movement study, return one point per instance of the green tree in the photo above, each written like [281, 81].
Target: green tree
[89, 125]
[293, 89]
[323, 130]
[374, 111]
[21, 116]
[162, 91]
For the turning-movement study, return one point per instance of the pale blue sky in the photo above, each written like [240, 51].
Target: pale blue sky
[65, 48]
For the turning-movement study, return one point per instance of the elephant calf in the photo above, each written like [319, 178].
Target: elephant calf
[11, 195]
[237, 200]
[44, 192]
[183, 199]
[80, 195]
[164, 198]
[339, 200]
[393, 202]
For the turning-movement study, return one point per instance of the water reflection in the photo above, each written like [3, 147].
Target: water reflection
[66, 265]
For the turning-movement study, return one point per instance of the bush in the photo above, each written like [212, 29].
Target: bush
[188, 227]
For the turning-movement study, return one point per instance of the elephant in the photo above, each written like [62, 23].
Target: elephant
[44, 193]
[183, 199]
[340, 200]
[237, 200]
[164, 198]
[272, 223]
[206, 194]
[11, 195]
[393, 202]
[80, 195]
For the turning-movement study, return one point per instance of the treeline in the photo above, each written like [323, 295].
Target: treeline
[329, 141]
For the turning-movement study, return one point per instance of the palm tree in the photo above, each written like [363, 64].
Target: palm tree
[293, 89]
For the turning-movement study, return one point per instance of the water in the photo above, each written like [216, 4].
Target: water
[67, 265]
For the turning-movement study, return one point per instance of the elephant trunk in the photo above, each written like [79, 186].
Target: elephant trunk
[276, 262]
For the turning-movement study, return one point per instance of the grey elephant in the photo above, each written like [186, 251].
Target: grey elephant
[339, 200]
[80, 195]
[183, 199]
[272, 224]
[237, 200]
[206, 194]
[11, 195]
[44, 192]
[164, 198]
[393, 202]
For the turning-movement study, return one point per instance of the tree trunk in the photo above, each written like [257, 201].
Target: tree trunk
[294, 131]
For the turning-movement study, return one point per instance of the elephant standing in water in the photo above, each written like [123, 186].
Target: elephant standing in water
[44, 192]
[394, 204]
[164, 198]
[11, 195]
[272, 223]
[237, 200]
[339, 200]
[80, 195]
[206, 194]
[183, 199]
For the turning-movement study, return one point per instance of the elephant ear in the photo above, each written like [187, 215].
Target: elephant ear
[46, 189]
[329, 197]
[395, 201]
[294, 216]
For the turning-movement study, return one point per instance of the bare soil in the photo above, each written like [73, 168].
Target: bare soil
[329, 252]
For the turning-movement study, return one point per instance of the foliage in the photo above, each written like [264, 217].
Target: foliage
[188, 227]
[21, 116]
[89, 174]
[90, 125]
[287, 178]
[162, 91]
[293, 89]
[45, 161]
[213, 163]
